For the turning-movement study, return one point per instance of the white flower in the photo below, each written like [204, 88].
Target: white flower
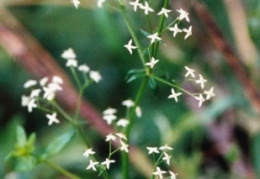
[183, 15]
[165, 12]
[189, 72]
[121, 136]
[129, 46]
[146, 8]
[68, 54]
[210, 93]
[72, 63]
[159, 172]
[95, 75]
[43, 81]
[154, 37]
[138, 111]
[110, 137]
[52, 118]
[35, 93]
[152, 150]
[188, 32]
[100, 3]
[109, 111]
[165, 147]
[124, 146]
[54, 87]
[109, 118]
[175, 30]
[84, 68]
[76, 3]
[152, 62]
[136, 4]
[167, 158]
[201, 81]
[92, 165]
[49, 94]
[31, 104]
[200, 99]
[88, 152]
[107, 162]
[25, 100]
[57, 79]
[122, 122]
[128, 103]
[173, 175]
[30, 83]
[174, 95]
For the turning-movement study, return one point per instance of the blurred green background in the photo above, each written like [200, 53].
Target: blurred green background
[98, 36]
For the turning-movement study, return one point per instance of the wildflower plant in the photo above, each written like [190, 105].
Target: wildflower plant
[42, 94]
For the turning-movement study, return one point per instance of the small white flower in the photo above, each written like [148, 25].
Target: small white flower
[174, 95]
[154, 37]
[201, 81]
[43, 81]
[190, 72]
[128, 103]
[92, 165]
[165, 147]
[76, 3]
[84, 68]
[124, 146]
[136, 4]
[200, 98]
[110, 137]
[31, 104]
[72, 63]
[159, 172]
[49, 94]
[95, 75]
[25, 100]
[146, 8]
[109, 118]
[109, 111]
[52, 118]
[183, 15]
[121, 136]
[35, 93]
[210, 93]
[130, 47]
[88, 152]
[138, 111]
[107, 162]
[68, 54]
[173, 175]
[122, 122]
[166, 158]
[152, 150]
[100, 3]
[165, 12]
[30, 83]
[175, 30]
[54, 87]
[188, 32]
[152, 62]
[57, 79]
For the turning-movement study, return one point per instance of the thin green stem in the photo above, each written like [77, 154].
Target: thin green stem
[75, 76]
[63, 113]
[79, 103]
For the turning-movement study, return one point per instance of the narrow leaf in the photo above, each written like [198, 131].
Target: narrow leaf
[144, 32]
[20, 136]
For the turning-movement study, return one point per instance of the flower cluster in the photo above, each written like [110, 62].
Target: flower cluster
[109, 115]
[163, 156]
[201, 81]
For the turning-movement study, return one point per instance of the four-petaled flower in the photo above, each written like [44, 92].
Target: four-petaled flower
[188, 32]
[124, 146]
[110, 137]
[146, 8]
[200, 98]
[95, 75]
[174, 95]
[52, 118]
[201, 81]
[209, 93]
[167, 158]
[136, 4]
[88, 152]
[107, 162]
[121, 136]
[84, 68]
[154, 37]
[76, 3]
[128, 103]
[189, 72]
[183, 15]
[165, 147]
[30, 83]
[172, 175]
[175, 30]
[165, 12]
[109, 111]
[92, 165]
[72, 63]
[159, 172]
[122, 122]
[130, 47]
[152, 62]
[68, 54]
[152, 150]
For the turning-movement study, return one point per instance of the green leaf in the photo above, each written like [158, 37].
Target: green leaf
[144, 32]
[25, 163]
[59, 143]
[134, 74]
[20, 136]
[153, 85]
